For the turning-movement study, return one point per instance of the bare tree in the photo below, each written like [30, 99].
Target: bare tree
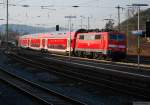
[109, 25]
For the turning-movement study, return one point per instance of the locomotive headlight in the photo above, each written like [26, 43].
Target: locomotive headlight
[116, 46]
[112, 46]
[121, 46]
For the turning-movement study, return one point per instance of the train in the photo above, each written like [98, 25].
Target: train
[81, 43]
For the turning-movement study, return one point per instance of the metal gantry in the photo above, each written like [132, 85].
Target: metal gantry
[119, 7]
[7, 22]
[70, 29]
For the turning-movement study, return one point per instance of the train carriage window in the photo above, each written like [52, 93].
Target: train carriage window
[97, 37]
[35, 45]
[56, 46]
[81, 37]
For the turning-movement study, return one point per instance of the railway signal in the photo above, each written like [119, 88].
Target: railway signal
[57, 27]
[148, 29]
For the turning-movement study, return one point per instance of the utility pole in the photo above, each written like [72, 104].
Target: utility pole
[7, 18]
[7, 23]
[81, 21]
[118, 7]
[70, 29]
[88, 22]
[138, 41]
[128, 10]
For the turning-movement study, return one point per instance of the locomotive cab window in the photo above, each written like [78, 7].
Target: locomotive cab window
[81, 37]
[121, 37]
[113, 37]
[97, 37]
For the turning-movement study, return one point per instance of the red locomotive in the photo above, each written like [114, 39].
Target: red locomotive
[93, 44]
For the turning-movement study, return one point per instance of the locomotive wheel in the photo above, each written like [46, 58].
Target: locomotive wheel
[42, 51]
[84, 54]
[108, 58]
[78, 53]
[95, 55]
[102, 57]
[91, 55]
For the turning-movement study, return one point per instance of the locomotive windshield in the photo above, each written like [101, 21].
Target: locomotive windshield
[118, 37]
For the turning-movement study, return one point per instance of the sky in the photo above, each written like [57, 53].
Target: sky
[54, 11]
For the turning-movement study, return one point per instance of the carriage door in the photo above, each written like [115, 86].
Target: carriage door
[43, 43]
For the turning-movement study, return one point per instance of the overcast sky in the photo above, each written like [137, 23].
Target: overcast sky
[96, 10]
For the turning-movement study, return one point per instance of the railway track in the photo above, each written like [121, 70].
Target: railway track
[101, 62]
[106, 80]
[45, 95]
[105, 63]
[106, 66]
[131, 72]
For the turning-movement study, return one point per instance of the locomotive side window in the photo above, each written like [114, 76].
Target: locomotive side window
[81, 37]
[90, 37]
[118, 37]
[97, 37]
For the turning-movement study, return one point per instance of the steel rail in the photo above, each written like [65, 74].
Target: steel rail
[130, 74]
[101, 62]
[104, 62]
[85, 78]
[95, 68]
[29, 87]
